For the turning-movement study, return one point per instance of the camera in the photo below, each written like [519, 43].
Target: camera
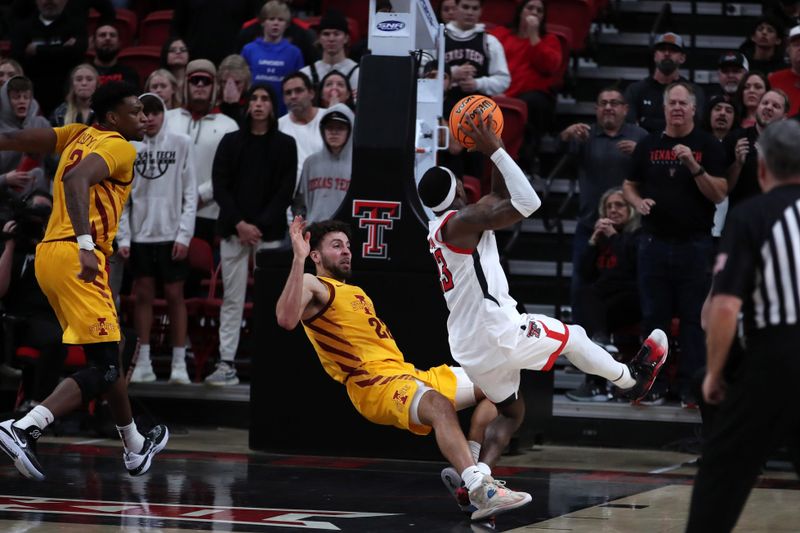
[30, 218]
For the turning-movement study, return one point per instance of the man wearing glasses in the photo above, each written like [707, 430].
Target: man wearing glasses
[206, 128]
[603, 152]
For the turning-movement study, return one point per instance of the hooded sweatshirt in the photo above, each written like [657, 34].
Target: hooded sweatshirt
[497, 78]
[10, 160]
[325, 178]
[163, 200]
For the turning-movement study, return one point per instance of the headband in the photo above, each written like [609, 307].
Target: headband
[451, 194]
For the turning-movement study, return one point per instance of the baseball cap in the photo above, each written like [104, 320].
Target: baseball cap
[794, 32]
[200, 67]
[337, 116]
[733, 59]
[333, 20]
[669, 38]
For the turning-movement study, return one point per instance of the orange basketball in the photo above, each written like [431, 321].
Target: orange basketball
[472, 106]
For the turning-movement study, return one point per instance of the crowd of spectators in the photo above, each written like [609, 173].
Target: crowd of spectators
[250, 120]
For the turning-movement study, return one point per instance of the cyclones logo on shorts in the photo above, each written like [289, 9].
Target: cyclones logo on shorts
[103, 327]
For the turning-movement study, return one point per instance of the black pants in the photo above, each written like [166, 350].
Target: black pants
[760, 413]
[605, 308]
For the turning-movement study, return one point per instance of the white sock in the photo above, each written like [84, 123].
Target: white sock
[144, 354]
[484, 469]
[475, 448]
[179, 356]
[40, 416]
[132, 440]
[592, 359]
[472, 477]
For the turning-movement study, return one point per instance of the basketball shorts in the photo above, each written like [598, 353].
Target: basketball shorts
[383, 391]
[539, 341]
[85, 311]
[154, 260]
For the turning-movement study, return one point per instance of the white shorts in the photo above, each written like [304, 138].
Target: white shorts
[540, 340]
[465, 394]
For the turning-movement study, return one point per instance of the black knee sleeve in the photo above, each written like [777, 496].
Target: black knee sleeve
[102, 370]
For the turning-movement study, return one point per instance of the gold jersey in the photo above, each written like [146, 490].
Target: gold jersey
[106, 198]
[347, 333]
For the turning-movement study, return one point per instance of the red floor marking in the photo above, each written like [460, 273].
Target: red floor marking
[295, 518]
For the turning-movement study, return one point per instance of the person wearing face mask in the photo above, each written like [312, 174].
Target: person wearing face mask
[645, 97]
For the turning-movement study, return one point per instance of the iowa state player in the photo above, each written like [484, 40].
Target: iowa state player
[357, 349]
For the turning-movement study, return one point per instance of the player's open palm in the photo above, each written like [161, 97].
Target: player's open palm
[300, 238]
[89, 265]
[482, 132]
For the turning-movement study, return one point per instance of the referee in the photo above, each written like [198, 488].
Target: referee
[757, 273]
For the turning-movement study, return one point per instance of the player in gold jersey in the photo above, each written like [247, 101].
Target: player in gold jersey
[357, 349]
[92, 183]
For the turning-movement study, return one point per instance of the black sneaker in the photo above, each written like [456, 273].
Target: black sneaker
[20, 445]
[154, 441]
[653, 397]
[647, 363]
[589, 392]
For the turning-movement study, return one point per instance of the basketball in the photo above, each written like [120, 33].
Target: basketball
[472, 106]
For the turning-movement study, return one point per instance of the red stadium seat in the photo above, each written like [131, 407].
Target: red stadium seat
[155, 28]
[472, 186]
[75, 360]
[499, 12]
[564, 35]
[5, 48]
[144, 59]
[126, 23]
[515, 116]
[574, 14]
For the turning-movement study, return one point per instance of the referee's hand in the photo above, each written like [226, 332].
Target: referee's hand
[89, 265]
[714, 389]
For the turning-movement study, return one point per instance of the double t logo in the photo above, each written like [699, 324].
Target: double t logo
[376, 216]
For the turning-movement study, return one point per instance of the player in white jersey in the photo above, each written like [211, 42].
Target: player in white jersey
[488, 337]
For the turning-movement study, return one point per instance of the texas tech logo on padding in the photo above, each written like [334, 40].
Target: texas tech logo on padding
[376, 216]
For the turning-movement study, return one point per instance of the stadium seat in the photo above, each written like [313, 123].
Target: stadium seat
[574, 14]
[75, 360]
[352, 25]
[564, 35]
[515, 117]
[155, 28]
[472, 186]
[126, 24]
[144, 59]
[5, 48]
[358, 10]
[499, 12]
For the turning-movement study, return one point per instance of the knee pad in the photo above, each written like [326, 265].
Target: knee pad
[102, 372]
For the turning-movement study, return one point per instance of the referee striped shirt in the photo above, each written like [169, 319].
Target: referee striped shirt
[759, 260]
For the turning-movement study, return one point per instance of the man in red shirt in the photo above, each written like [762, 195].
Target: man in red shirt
[788, 79]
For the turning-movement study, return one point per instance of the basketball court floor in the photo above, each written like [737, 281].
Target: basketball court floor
[208, 480]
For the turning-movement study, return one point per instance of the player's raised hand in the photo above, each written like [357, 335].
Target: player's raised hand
[89, 265]
[300, 237]
[486, 141]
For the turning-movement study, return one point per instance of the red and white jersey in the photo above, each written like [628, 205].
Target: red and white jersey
[484, 320]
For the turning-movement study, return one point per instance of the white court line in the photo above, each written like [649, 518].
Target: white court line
[666, 469]
[91, 441]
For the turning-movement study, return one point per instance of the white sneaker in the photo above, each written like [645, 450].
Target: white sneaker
[492, 498]
[143, 372]
[179, 374]
[224, 375]
[154, 441]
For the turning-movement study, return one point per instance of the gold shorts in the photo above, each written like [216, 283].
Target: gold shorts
[382, 391]
[85, 311]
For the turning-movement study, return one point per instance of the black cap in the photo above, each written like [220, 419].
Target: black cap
[720, 99]
[337, 116]
[333, 20]
[733, 59]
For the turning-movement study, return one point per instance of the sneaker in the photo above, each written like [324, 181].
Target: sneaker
[452, 480]
[143, 372]
[688, 401]
[589, 392]
[646, 364]
[225, 374]
[154, 441]
[653, 397]
[20, 445]
[179, 375]
[492, 498]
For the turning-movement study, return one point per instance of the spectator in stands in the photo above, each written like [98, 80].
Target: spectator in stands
[27, 310]
[764, 48]
[254, 176]
[326, 174]
[534, 58]
[732, 68]
[741, 147]
[645, 97]
[749, 95]
[8, 69]
[786, 12]
[610, 297]
[603, 151]
[77, 106]
[106, 49]
[272, 57]
[475, 58]
[22, 9]
[20, 173]
[154, 233]
[210, 29]
[162, 83]
[447, 11]
[175, 55]
[721, 116]
[233, 80]
[295, 33]
[334, 36]
[788, 80]
[206, 129]
[335, 89]
[676, 195]
[49, 43]
[302, 120]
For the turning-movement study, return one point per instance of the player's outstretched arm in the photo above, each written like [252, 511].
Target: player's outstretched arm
[302, 291]
[33, 140]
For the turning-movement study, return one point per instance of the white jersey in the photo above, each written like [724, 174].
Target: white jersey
[484, 322]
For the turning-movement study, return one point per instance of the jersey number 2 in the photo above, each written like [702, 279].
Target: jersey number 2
[74, 158]
[445, 277]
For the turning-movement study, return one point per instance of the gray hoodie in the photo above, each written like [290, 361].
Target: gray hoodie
[325, 178]
[163, 200]
[11, 160]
